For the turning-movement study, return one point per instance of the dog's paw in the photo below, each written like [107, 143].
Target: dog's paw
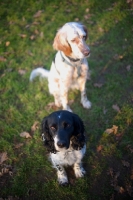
[86, 104]
[63, 181]
[62, 178]
[79, 172]
[67, 108]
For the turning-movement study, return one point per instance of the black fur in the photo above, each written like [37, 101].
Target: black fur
[75, 132]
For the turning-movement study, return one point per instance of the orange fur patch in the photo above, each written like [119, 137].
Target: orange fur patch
[60, 44]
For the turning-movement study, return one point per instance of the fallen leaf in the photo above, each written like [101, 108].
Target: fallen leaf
[7, 43]
[25, 135]
[34, 126]
[23, 35]
[71, 102]
[2, 59]
[50, 105]
[99, 148]
[21, 71]
[41, 34]
[3, 157]
[35, 23]
[30, 53]
[125, 163]
[36, 32]
[32, 37]
[99, 85]
[87, 10]
[119, 189]
[17, 146]
[128, 68]
[37, 14]
[116, 108]
[112, 130]
[119, 136]
[130, 148]
[87, 16]
[110, 172]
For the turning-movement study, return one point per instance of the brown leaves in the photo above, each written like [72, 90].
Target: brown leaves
[125, 163]
[7, 43]
[37, 14]
[3, 157]
[99, 85]
[113, 130]
[50, 106]
[99, 148]
[25, 135]
[2, 59]
[116, 108]
[114, 181]
[6, 169]
[34, 127]
[22, 71]
[23, 35]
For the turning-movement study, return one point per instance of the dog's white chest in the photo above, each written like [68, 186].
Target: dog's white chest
[64, 158]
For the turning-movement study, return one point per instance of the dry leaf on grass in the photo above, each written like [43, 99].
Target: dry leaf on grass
[2, 59]
[23, 35]
[25, 135]
[112, 130]
[37, 14]
[99, 148]
[50, 105]
[119, 189]
[17, 146]
[125, 163]
[116, 108]
[34, 126]
[3, 157]
[22, 71]
[32, 37]
[99, 85]
[7, 43]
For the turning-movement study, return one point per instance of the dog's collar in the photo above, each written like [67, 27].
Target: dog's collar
[72, 64]
[72, 59]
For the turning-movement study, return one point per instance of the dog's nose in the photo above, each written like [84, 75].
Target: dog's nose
[61, 144]
[86, 52]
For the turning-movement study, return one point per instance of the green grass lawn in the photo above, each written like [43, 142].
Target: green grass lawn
[27, 30]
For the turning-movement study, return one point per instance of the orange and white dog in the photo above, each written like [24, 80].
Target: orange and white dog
[69, 68]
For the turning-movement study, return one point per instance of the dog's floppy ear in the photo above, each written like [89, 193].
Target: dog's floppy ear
[78, 138]
[61, 44]
[47, 136]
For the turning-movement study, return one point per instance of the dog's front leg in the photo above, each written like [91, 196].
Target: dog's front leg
[62, 176]
[82, 83]
[64, 87]
[78, 170]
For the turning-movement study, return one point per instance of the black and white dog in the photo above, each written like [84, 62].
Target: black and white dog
[63, 136]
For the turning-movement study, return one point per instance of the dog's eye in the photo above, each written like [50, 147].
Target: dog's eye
[53, 128]
[66, 125]
[73, 40]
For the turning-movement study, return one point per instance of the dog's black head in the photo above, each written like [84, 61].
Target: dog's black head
[61, 129]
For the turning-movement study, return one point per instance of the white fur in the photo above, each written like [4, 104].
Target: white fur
[62, 76]
[68, 157]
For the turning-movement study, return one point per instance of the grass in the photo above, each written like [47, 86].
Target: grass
[27, 31]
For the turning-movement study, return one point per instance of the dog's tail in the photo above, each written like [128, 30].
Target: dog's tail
[41, 72]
